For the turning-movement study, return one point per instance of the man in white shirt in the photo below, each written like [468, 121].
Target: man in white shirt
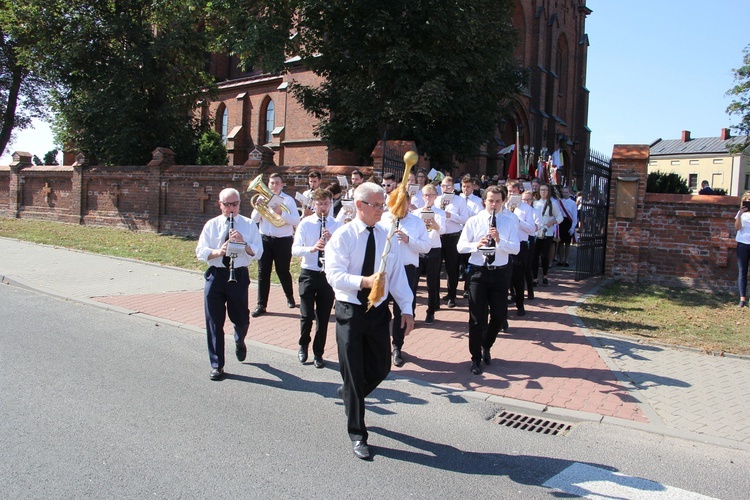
[313, 182]
[277, 246]
[527, 228]
[567, 226]
[429, 262]
[489, 273]
[456, 215]
[363, 336]
[474, 205]
[220, 295]
[315, 294]
[413, 240]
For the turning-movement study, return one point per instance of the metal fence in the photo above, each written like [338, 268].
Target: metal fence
[592, 241]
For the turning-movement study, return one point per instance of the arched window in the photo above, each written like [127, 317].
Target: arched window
[270, 120]
[224, 125]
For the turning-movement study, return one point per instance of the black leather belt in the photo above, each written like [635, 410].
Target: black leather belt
[494, 268]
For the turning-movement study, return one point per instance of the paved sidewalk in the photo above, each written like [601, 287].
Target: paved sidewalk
[546, 362]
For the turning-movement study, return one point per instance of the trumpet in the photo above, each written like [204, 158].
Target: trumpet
[260, 200]
[438, 179]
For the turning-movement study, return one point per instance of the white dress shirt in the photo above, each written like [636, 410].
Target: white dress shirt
[305, 238]
[459, 213]
[545, 217]
[345, 254]
[419, 241]
[434, 235]
[528, 221]
[478, 227]
[474, 204]
[291, 218]
[214, 234]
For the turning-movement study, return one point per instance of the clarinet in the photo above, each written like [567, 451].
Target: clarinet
[321, 253]
[491, 243]
[232, 279]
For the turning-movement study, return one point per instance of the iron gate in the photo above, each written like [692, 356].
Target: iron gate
[393, 161]
[592, 236]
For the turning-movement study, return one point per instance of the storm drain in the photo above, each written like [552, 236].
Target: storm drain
[532, 424]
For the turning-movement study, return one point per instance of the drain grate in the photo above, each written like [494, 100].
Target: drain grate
[532, 424]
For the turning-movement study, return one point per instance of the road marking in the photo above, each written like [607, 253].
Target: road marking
[594, 482]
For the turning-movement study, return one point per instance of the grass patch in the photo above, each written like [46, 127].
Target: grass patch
[176, 251]
[685, 317]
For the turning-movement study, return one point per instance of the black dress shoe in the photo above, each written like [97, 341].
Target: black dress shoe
[451, 303]
[340, 391]
[258, 311]
[290, 303]
[318, 361]
[475, 368]
[240, 350]
[429, 319]
[302, 354]
[521, 311]
[217, 374]
[361, 450]
[486, 356]
[397, 359]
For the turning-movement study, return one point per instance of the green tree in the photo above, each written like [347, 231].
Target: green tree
[740, 105]
[130, 74]
[435, 71]
[37, 161]
[23, 92]
[211, 150]
[662, 182]
[50, 158]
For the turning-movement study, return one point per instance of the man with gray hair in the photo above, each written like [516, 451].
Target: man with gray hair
[222, 296]
[362, 334]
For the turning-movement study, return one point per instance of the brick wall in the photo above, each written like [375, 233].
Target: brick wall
[673, 240]
[173, 199]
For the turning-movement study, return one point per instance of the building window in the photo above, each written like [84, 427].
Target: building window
[675, 162]
[718, 161]
[653, 163]
[747, 181]
[224, 126]
[693, 181]
[270, 120]
[694, 162]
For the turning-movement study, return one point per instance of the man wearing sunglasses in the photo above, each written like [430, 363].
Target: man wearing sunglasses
[220, 295]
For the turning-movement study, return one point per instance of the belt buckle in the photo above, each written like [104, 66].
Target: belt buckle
[492, 268]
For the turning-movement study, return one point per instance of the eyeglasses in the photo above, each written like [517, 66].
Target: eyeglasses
[376, 206]
[230, 203]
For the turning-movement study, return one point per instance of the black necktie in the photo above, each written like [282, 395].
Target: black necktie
[490, 257]
[368, 265]
[226, 260]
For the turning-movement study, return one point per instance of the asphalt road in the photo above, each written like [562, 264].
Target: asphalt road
[98, 404]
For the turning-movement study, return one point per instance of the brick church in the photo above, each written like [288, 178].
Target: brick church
[255, 114]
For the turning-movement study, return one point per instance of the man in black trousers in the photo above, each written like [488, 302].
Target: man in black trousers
[315, 294]
[363, 336]
[222, 296]
[277, 246]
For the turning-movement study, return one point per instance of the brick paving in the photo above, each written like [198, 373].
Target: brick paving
[545, 359]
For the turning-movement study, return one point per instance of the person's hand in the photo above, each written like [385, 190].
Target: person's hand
[236, 237]
[402, 236]
[407, 323]
[368, 281]
[319, 245]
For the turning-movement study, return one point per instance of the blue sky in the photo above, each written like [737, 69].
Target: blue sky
[658, 67]
[655, 68]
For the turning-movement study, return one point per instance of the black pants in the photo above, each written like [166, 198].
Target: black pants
[488, 289]
[276, 252]
[450, 253]
[429, 265]
[219, 298]
[518, 274]
[530, 264]
[364, 358]
[397, 333]
[315, 302]
[541, 252]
